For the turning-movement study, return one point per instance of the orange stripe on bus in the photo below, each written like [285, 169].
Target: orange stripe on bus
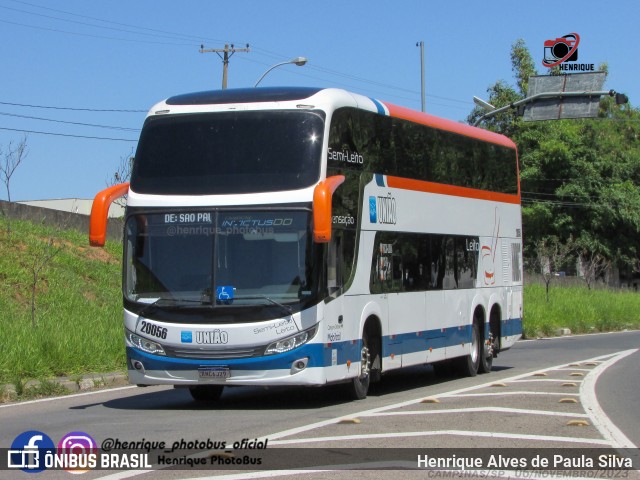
[448, 125]
[430, 187]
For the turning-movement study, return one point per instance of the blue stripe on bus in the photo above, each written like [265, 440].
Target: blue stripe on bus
[380, 180]
[379, 106]
[272, 362]
[320, 355]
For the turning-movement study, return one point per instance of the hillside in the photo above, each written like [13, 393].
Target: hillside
[77, 326]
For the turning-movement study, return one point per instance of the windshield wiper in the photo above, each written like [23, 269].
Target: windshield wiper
[286, 308]
[173, 303]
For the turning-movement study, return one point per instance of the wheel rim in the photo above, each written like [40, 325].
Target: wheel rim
[365, 362]
[474, 345]
[489, 348]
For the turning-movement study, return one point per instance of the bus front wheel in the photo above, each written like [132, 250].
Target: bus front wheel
[206, 393]
[359, 386]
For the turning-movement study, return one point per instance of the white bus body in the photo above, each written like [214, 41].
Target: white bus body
[333, 245]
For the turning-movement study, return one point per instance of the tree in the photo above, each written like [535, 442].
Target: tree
[579, 178]
[550, 256]
[593, 266]
[522, 65]
[10, 161]
[501, 93]
[122, 174]
[123, 171]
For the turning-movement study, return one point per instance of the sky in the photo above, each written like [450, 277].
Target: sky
[78, 76]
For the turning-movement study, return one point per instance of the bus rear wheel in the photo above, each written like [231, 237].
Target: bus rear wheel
[486, 360]
[206, 393]
[359, 386]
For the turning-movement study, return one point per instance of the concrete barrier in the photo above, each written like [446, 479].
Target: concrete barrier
[60, 219]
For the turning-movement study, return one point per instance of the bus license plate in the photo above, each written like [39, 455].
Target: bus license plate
[213, 373]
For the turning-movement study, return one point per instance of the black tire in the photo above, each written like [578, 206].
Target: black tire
[359, 386]
[468, 366]
[206, 393]
[486, 358]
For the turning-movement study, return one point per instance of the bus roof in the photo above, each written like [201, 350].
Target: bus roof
[284, 94]
[244, 95]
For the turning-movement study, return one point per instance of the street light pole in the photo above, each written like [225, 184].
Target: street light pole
[299, 61]
[520, 104]
[421, 45]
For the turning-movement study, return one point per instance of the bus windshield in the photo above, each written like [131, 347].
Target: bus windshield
[228, 153]
[220, 260]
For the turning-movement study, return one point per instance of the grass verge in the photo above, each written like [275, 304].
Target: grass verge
[77, 326]
[579, 309]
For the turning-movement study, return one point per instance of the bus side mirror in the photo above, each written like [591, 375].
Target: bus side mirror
[322, 211]
[100, 212]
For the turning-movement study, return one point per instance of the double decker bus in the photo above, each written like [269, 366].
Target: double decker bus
[304, 236]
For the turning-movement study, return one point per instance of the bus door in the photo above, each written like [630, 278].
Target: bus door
[337, 324]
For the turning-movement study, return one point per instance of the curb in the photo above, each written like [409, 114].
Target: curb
[72, 384]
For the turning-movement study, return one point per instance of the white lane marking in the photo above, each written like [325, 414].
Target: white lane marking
[590, 402]
[437, 433]
[328, 468]
[576, 335]
[127, 474]
[500, 394]
[64, 397]
[574, 369]
[551, 380]
[478, 409]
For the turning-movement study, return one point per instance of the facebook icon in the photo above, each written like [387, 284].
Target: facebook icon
[28, 450]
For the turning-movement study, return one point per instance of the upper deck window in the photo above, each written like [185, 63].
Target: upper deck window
[228, 153]
[365, 141]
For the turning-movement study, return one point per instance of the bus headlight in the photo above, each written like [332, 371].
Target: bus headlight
[291, 342]
[145, 345]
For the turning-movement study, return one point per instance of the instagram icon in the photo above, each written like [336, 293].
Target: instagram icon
[80, 447]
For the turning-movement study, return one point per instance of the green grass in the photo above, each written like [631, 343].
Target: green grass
[78, 327]
[579, 309]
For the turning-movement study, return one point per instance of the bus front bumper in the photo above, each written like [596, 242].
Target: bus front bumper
[311, 364]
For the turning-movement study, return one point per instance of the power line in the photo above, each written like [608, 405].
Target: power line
[363, 80]
[51, 17]
[67, 135]
[111, 110]
[563, 204]
[102, 37]
[71, 123]
[381, 94]
[165, 34]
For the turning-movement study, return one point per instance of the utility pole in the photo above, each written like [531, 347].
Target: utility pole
[421, 45]
[228, 52]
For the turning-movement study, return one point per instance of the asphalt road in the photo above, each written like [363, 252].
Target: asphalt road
[515, 406]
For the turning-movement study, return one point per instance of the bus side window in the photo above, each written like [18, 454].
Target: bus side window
[396, 269]
[436, 262]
